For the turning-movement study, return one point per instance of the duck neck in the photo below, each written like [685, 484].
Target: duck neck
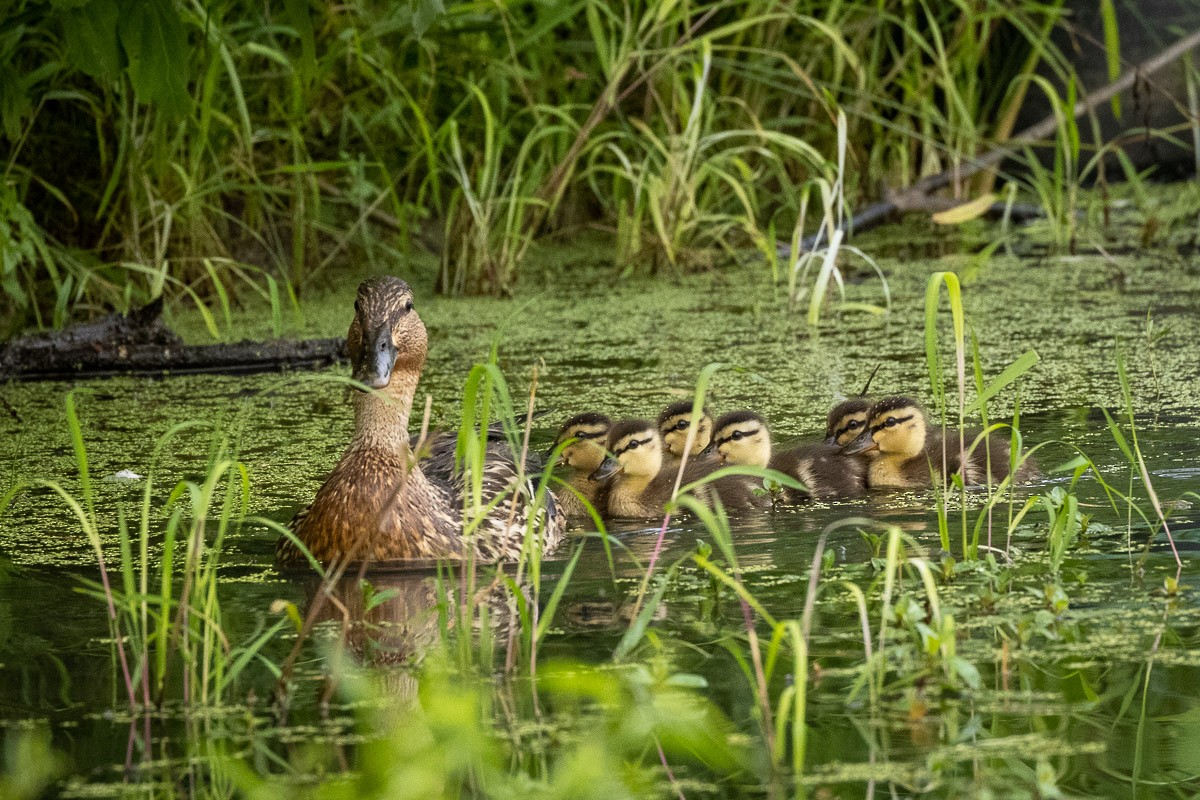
[381, 418]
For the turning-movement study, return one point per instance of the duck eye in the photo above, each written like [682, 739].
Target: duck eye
[408, 305]
[633, 445]
[852, 424]
[736, 435]
[357, 306]
[891, 423]
[681, 425]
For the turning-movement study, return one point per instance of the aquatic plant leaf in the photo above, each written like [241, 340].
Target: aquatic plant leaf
[1011, 373]
[157, 48]
[965, 212]
[92, 42]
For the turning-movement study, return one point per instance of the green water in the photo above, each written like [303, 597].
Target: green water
[1099, 700]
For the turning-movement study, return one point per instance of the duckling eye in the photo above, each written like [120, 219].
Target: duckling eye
[681, 425]
[408, 306]
[891, 422]
[633, 445]
[852, 424]
[357, 306]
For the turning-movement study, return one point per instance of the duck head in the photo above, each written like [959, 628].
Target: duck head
[387, 334]
[590, 433]
[847, 420]
[895, 425]
[673, 425]
[635, 450]
[742, 438]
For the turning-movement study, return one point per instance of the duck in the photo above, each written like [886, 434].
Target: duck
[382, 502]
[905, 453]
[586, 435]
[642, 484]
[743, 437]
[673, 425]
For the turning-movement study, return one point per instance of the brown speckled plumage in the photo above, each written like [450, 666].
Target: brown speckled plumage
[383, 504]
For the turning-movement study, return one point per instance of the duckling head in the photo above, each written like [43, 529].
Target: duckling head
[673, 425]
[847, 420]
[590, 432]
[742, 438]
[386, 334]
[895, 426]
[635, 450]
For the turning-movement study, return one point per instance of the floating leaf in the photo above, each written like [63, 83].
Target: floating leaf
[966, 212]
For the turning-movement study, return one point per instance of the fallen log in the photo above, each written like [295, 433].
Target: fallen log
[916, 197]
[141, 344]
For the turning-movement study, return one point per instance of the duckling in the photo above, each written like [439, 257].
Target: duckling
[905, 454]
[641, 485]
[583, 457]
[742, 437]
[382, 504]
[673, 425]
[846, 421]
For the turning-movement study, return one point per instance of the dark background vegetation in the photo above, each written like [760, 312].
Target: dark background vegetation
[213, 150]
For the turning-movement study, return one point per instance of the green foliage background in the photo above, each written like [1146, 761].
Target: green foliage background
[198, 148]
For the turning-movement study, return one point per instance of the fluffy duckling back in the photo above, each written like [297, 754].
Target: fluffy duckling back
[380, 503]
[742, 437]
[673, 425]
[906, 453]
[582, 457]
[642, 485]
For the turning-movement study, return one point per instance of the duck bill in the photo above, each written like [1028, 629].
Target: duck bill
[374, 369]
[864, 443]
[608, 467]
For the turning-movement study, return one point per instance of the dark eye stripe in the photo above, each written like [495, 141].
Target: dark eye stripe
[883, 424]
[729, 438]
[631, 443]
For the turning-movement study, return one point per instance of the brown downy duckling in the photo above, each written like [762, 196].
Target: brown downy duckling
[905, 453]
[742, 437]
[381, 503]
[582, 457]
[673, 425]
[642, 485]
